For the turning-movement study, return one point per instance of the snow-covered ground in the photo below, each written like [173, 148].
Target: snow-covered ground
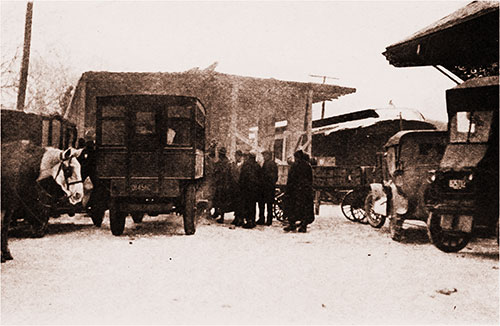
[338, 273]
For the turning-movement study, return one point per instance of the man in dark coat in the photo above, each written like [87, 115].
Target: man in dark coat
[249, 187]
[237, 199]
[224, 186]
[269, 179]
[299, 194]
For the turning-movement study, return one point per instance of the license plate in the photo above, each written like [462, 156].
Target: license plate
[457, 184]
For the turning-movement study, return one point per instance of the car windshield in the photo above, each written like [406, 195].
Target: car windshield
[471, 127]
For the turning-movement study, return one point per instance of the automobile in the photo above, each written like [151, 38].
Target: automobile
[463, 196]
[149, 154]
[408, 159]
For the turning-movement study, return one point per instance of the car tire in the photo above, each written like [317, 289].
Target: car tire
[116, 219]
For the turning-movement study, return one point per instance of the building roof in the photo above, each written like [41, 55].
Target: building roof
[467, 37]
[415, 134]
[363, 119]
[249, 85]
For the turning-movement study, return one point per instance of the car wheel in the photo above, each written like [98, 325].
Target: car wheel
[447, 241]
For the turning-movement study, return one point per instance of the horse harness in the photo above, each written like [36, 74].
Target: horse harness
[48, 201]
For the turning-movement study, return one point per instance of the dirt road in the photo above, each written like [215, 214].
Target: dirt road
[338, 273]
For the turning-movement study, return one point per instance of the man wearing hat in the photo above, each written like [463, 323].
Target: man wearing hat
[223, 185]
[269, 176]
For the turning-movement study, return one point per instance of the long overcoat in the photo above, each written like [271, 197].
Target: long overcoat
[250, 180]
[224, 185]
[299, 200]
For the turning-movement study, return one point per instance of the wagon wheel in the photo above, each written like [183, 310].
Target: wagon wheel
[374, 219]
[278, 212]
[116, 218]
[447, 241]
[137, 217]
[345, 206]
[351, 207]
[278, 208]
[189, 209]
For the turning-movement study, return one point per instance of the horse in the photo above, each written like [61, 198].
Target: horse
[24, 167]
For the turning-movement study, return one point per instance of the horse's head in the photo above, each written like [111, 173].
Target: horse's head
[67, 173]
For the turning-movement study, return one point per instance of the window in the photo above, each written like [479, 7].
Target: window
[113, 111]
[113, 127]
[278, 149]
[113, 132]
[178, 132]
[424, 148]
[179, 112]
[56, 133]
[471, 127]
[145, 123]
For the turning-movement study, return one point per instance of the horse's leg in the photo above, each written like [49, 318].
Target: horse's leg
[6, 218]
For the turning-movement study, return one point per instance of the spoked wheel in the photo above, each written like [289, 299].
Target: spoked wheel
[278, 207]
[345, 206]
[374, 219]
[447, 241]
[352, 207]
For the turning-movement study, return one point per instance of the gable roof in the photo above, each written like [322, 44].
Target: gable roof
[467, 37]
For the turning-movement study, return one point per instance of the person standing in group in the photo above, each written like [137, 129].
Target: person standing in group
[223, 186]
[299, 194]
[249, 187]
[269, 178]
[237, 199]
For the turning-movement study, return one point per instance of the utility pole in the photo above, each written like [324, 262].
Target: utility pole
[324, 81]
[23, 79]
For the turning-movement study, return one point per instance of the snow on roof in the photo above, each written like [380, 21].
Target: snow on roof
[384, 114]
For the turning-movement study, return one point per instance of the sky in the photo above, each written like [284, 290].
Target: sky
[287, 40]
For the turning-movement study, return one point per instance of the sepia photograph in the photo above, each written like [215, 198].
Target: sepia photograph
[249, 162]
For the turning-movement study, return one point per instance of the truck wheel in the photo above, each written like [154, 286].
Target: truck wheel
[116, 219]
[374, 219]
[97, 215]
[447, 241]
[189, 209]
[137, 217]
[396, 227]
[98, 204]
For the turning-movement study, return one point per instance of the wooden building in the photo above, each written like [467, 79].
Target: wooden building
[243, 112]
